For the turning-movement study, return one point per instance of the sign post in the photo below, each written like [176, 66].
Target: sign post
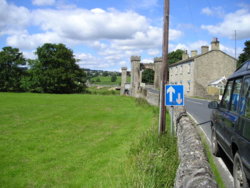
[174, 96]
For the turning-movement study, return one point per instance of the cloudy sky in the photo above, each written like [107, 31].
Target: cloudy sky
[104, 33]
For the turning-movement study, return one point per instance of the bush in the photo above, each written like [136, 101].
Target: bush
[113, 78]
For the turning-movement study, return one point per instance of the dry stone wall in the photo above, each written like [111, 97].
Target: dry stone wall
[153, 97]
[194, 170]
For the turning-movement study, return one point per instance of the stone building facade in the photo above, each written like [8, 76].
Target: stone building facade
[197, 71]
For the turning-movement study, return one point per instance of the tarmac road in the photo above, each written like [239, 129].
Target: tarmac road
[199, 111]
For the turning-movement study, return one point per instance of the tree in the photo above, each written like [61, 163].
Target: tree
[10, 71]
[56, 71]
[148, 76]
[105, 73]
[245, 55]
[113, 78]
[175, 56]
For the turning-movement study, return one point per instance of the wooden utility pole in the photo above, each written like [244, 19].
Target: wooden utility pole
[162, 121]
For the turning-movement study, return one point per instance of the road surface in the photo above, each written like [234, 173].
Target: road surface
[199, 111]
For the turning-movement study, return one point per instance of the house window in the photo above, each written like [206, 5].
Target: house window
[181, 69]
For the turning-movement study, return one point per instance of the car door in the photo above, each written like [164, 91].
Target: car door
[221, 113]
[243, 127]
[231, 117]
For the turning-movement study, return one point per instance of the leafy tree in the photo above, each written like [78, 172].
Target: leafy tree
[175, 56]
[56, 71]
[10, 71]
[148, 76]
[113, 78]
[245, 55]
[105, 73]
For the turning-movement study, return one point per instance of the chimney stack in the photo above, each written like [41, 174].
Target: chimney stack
[215, 44]
[194, 53]
[204, 49]
[185, 55]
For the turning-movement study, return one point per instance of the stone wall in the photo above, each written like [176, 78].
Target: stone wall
[153, 97]
[194, 170]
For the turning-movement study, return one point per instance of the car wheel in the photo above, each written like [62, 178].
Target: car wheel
[240, 180]
[215, 146]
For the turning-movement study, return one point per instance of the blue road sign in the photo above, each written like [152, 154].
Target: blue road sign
[174, 95]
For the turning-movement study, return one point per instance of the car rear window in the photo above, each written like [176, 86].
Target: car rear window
[226, 98]
[236, 95]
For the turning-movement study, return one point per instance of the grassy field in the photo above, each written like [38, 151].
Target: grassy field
[79, 141]
[102, 91]
[106, 80]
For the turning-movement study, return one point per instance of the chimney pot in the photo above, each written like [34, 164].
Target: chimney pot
[194, 53]
[204, 49]
[185, 55]
[215, 44]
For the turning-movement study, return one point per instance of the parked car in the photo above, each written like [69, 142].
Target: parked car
[231, 124]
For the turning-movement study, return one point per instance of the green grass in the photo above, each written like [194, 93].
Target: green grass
[152, 159]
[212, 164]
[77, 141]
[102, 91]
[106, 80]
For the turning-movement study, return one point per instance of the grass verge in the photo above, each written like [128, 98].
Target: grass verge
[212, 164]
[153, 159]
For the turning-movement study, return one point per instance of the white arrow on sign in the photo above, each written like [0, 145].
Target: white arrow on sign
[179, 99]
[171, 90]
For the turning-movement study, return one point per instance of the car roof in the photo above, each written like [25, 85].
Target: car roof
[243, 70]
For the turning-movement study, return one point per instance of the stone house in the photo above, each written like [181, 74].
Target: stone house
[197, 71]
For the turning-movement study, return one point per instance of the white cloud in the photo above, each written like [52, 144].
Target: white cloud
[239, 21]
[26, 41]
[43, 2]
[214, 11]
[231, 51]
[153, 52]
[13, 18]
[82, 24]
[197, 46]
[152, 38]
[87, 60]
[29, 55]
[207, 11]
[189, 46]
[147, 61]
[122, 63]
[113, 34]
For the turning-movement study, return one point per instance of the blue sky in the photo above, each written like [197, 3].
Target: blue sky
[104, 33]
